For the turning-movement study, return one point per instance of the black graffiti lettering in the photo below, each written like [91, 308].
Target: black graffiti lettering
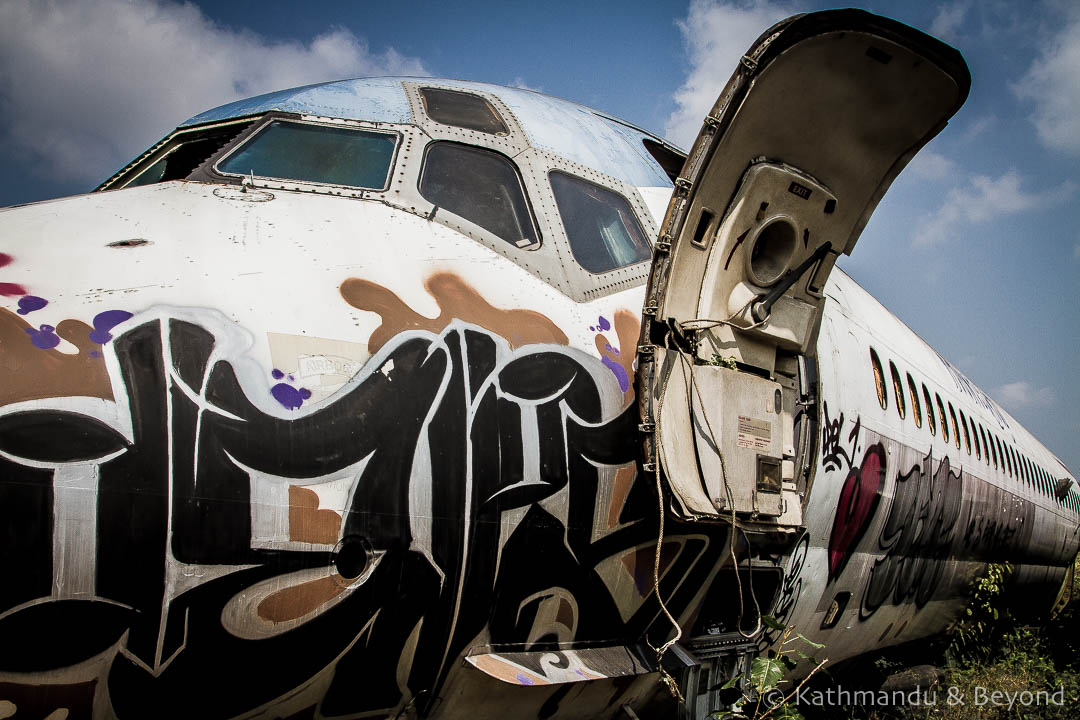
[917, 536]
[457, 433]
[833, 455]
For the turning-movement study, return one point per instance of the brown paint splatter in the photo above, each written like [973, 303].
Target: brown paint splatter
[624, 478]
[627, 327]
[31, 373]
[456, 300]
[299, 600]
[309, 524]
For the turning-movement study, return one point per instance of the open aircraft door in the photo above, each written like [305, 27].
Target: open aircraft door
[822, 113]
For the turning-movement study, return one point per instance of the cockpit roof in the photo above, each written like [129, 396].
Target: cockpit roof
[559, 126]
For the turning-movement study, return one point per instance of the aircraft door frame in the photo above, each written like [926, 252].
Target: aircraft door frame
[818, 119]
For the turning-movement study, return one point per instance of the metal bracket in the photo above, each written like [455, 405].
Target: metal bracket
[646, 427]
[646, 351]
[749, 63]
[649, 309]
[683, 184]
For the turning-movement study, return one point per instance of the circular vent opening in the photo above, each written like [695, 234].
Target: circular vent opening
[772, 250]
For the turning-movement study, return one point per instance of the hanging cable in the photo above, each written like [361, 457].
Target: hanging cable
[665, 676]
[692, 389]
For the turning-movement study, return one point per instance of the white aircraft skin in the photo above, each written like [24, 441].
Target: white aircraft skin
[276, 448]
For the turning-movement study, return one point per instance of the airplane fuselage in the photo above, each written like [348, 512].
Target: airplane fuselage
[275, 444]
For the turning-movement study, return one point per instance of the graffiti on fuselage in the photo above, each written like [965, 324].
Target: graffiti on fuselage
[790, 592]
[904, 517]
[187, 549]
[918, 536]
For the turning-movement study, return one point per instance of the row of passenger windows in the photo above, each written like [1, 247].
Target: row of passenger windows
[480, 185]
[962, 429]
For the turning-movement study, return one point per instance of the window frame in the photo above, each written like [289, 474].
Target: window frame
[533, 218]
[282, 183]
[562, 221]
[506, 129]
[916, 407]
[931, 421]
[943, 418]
[898, 390]
[880, 387]
[975, 438]
[963, 424]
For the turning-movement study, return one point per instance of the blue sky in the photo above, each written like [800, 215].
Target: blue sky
[976, 246]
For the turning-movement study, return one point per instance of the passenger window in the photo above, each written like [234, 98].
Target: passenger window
[879, 380]
[986, 448]
[315, 153]
[603, 231]
[463, 110]
[1000, 454]
[975, 438]
[481, 186]
[941, 416]
[929, 410]
[916, 411]
[955, 427]
[898, 390]
[967, 436]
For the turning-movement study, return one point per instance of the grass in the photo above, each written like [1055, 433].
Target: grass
[1037, 668]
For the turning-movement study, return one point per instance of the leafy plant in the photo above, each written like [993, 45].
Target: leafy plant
[980, 623]
[762, 692]
[721, 361]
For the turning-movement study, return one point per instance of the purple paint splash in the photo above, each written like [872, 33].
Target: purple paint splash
[291, 398]
[525, 679]
[44, 338]
[620, 373]
[603, 324]
[276, 374]
[106, 321]
[30, 303]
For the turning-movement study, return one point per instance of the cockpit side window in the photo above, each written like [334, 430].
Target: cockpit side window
[285, 150]
[482, 186]
[176, 157]
[603, 231]
[463, 110]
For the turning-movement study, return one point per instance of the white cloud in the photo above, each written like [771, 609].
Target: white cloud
[716, 34]
[931, 165]
[85, 85]
[948, 20]
[519, 82]
[976, 128]
[983, 200]
[1052, 86]
[1023, 394]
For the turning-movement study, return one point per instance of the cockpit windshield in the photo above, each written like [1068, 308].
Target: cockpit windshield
[315, 153]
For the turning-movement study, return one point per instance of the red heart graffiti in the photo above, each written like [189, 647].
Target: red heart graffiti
[858, 500]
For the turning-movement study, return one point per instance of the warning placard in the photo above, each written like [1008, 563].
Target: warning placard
[754, 434]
